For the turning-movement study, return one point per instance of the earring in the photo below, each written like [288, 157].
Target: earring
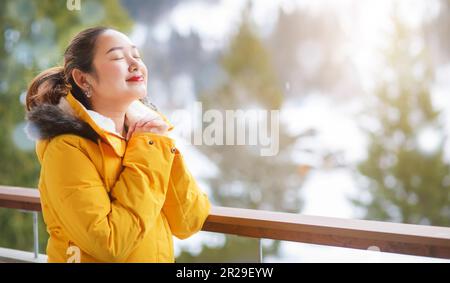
[87, 92]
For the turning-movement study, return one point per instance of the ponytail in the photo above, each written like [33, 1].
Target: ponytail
[47, 87]
[50, 85]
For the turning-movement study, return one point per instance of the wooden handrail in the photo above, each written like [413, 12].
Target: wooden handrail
[399, 238]
[20, 198]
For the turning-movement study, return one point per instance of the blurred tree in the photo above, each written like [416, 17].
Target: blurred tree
[150, 12]
[308, 53]
[437, 34]
[246, 179]
[173, 57]
[34, 35]
[180, 56]
[407, 175]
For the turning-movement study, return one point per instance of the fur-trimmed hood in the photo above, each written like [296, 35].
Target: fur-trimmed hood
[47, 121]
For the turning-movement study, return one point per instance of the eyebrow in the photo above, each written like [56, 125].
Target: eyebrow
[119, 48]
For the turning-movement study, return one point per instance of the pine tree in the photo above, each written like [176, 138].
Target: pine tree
[408, 176]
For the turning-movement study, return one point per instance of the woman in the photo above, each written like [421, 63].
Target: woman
[114, 188]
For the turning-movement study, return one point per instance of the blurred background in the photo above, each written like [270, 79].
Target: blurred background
[362, 88]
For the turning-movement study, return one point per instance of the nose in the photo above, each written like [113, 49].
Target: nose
[133, 67]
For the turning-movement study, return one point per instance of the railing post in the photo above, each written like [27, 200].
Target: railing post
[260, 251]
[35, 234]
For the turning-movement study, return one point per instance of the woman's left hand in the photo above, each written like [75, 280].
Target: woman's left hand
[148, 124]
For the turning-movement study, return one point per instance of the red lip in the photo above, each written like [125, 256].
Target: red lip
[136, 79]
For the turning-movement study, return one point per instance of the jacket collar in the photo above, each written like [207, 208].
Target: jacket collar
[71, 117]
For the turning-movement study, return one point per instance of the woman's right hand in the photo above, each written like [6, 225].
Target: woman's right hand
[150, 125]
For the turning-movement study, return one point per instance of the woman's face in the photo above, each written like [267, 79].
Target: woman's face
[121, 75]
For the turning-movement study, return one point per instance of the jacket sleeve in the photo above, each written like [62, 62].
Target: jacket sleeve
[108, 227]
[186, 206]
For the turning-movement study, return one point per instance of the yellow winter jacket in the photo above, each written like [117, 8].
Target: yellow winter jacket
[105, 199]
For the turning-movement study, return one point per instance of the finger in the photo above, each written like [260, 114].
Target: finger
[157, 123]
[152, 123]
[148, 117]
[139, 125]
[162, 126]
[143, 127]
[131, 130]
[148, 126]
[128, 133]
[152, 126]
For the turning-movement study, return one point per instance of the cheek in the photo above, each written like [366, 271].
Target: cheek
[111, 73]
[144, 71]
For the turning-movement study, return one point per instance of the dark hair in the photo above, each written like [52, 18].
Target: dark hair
[58, 80]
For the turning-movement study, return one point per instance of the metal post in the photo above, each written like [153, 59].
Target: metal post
[35, 234]
[260, 251]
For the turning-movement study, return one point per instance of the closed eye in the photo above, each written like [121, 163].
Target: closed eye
[137, 57]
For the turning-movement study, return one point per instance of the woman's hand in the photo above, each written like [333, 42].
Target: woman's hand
[150, 125]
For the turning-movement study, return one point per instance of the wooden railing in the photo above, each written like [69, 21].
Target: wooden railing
[408, 239]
